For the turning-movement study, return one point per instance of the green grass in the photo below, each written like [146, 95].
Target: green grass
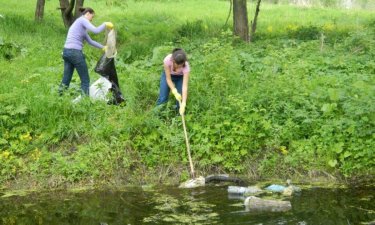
[290, 103]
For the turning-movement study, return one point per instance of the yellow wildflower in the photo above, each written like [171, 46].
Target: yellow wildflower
[5, 154]
[283, 150]
[292, 27]
[328, 27]
[35, 154]
[26, 137]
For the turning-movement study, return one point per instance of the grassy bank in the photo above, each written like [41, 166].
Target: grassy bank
[296, 102]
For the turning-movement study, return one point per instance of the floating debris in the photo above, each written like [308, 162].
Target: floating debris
[256, 204]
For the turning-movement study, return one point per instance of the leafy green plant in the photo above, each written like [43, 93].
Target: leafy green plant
[305, 32]
[10, 50]
[191, 29]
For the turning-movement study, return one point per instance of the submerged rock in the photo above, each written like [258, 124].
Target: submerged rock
[256, 204]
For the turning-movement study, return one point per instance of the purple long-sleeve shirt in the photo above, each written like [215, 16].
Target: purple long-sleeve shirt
[77, 34]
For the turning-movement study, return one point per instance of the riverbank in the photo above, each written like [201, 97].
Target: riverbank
[293, 101]
[149, 180]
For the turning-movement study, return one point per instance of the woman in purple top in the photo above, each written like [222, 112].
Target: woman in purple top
[72, 53]
[175, 77]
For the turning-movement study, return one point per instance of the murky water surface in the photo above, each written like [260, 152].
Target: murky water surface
[169, 205]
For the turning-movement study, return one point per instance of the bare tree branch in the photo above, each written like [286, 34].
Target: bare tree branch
[230, 10]
[254, 23]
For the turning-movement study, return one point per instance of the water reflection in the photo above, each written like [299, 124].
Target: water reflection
[169, 205]
[184, 210]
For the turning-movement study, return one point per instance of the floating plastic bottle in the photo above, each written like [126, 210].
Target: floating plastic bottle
[243, 190]
[237, 190]
[275, 188]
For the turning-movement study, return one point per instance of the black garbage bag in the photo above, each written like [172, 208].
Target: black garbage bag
[117, 97]
[106, 68]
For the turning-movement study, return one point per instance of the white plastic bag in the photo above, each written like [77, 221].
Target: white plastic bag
[98, 90]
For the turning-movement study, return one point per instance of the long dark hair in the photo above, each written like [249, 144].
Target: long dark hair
[179, 56]
[86, 10]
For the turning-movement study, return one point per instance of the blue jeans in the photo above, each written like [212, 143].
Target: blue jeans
[164, 88]
[75, 59]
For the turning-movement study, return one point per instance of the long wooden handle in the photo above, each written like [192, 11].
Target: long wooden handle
[188, 147]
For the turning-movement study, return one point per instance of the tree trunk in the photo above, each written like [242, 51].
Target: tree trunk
[254, 23]
[240, 21]
[67, 7]
[39, 11]
[79, 4]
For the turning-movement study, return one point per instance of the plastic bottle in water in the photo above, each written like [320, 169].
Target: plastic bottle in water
[237, 190]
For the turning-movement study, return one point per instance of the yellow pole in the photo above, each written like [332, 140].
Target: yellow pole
[188, 147]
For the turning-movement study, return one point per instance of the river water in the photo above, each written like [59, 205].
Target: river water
[170, 205]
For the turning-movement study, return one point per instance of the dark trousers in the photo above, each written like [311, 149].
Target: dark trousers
[164, 88]
[75, 59]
